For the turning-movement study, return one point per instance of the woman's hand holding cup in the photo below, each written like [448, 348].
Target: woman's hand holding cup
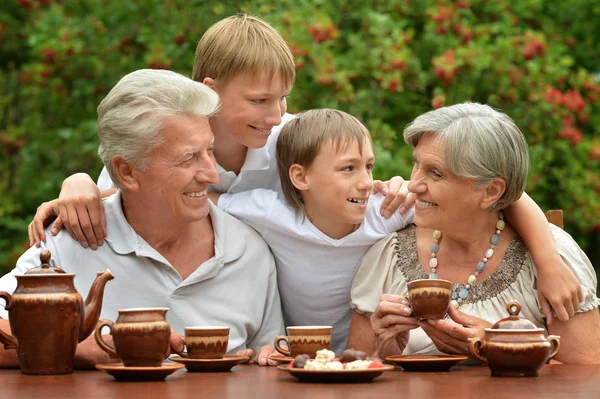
[391, 323]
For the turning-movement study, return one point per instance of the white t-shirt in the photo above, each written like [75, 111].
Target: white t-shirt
[314, 271]
[259, 169]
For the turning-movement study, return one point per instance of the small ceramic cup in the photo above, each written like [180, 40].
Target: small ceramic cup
[304, 340]
[429, 299]
[205, 342]
[140, 337]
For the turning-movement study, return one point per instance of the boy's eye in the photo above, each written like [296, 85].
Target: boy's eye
[259, 101]
[348, 168]
[370, 166]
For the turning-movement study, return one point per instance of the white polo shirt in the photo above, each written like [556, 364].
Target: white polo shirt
[235, 288]
[259, 169]
[314, 271]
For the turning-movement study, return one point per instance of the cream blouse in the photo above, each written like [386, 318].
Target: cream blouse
[392, 262]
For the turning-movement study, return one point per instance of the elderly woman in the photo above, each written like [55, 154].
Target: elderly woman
[470, 163]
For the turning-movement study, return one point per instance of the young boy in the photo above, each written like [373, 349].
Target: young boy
[238, 56]
[324, 222]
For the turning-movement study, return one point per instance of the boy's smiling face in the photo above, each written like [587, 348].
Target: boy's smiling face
[337, 187]
[250, 107]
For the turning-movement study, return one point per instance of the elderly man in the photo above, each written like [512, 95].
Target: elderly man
[168, 246]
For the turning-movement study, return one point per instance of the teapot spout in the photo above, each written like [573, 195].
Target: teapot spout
[93, 303]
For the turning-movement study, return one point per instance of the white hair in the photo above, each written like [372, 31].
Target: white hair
[481, 144]
[131, 114]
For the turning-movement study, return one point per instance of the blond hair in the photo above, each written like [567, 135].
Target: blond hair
[243, 44]
[301, 139]
[131, 114]
[481, 145]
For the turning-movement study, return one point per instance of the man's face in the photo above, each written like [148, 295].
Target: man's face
[180, 170]
[250, 107]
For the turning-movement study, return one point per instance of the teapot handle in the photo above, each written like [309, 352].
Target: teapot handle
[555, 340]
[9, 341]
[475, 349]
[101, 343]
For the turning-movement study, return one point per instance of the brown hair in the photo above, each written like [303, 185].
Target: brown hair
[301, 139]
[243, 44]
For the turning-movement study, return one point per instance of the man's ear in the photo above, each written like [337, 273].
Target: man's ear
[493, 192]
[210, 82]
[126, 172]
[298, 177]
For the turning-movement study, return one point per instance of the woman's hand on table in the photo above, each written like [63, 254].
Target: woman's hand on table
[391, 323]
[264, 357]
[396, 196]
[558, 290]
[452, 337]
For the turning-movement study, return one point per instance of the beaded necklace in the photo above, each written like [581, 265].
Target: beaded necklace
[465, 289]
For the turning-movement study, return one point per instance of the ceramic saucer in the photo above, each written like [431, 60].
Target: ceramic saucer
[122, 373]
[282, 359]
[426, 362]
[363, 375]
[210, 365]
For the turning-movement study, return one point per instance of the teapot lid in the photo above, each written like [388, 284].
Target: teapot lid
[45, 267]
[514, 322]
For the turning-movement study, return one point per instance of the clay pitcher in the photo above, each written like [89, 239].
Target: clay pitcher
[48, 317]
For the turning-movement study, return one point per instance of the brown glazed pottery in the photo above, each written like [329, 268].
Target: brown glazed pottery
[429, 298]
[303, 340]
[205, 342]
[48, 317]
[514, 347]
[140, 336]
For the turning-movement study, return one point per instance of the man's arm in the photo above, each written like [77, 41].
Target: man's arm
[557, 285]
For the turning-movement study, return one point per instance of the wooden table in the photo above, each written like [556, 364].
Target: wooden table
[555, 381]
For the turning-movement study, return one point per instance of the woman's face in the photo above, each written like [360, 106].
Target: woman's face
[445, 201]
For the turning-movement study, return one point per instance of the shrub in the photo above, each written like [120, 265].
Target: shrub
[385, 62]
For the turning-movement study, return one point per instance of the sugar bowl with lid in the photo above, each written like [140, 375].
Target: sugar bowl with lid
[514, 347]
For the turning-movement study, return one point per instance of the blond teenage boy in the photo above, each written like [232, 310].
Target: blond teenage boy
[250, 66]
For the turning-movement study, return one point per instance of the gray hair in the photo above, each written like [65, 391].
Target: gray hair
[131, 114]
[481, 144]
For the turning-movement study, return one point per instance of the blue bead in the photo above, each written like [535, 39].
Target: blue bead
[463, 293]
[433, 276]
[434, 248]
[480, 266]
[495, 239]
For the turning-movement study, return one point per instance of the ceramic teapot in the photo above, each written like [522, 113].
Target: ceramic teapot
[514, 347]
[48, 317]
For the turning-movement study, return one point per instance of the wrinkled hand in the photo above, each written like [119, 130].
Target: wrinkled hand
[81, 211]
[88, 354]
[452, 337]
[391, 323]
[264, 357]
[558, 289]
[396, 195]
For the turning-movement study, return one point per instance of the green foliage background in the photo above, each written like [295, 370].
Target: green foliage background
[384, 61]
